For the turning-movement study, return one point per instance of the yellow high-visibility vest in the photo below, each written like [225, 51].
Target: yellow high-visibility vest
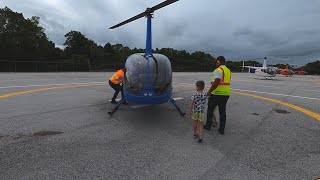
[223, 88]
[115, 79]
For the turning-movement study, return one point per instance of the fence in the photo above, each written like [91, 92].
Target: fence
[59, 66]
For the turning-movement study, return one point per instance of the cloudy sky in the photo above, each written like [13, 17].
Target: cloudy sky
[237, 29]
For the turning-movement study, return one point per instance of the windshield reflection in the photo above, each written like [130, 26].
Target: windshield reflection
[160, 73]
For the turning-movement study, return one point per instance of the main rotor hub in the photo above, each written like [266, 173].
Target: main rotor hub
[149, 12]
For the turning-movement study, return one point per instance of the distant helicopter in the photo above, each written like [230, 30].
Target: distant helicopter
[148, 77]
[286, 72]
[264, 71]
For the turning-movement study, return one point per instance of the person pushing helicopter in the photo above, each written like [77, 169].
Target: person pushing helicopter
[116, 82]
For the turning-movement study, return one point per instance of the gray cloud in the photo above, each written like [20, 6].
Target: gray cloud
[236, 29]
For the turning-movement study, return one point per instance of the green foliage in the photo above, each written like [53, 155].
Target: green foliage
[23, 39]
[313, 67]
[77, 43]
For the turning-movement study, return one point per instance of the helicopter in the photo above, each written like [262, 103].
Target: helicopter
[148, 76]
[264, 71]
[286, 72]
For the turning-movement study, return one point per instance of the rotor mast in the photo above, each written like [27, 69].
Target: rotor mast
[149, 17]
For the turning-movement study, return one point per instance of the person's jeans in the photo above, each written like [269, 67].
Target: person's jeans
[117, 88]
[221, 102]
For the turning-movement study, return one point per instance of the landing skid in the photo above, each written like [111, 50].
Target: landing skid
[123, 100]
[117, 107]
[265, 78]
[178, 108]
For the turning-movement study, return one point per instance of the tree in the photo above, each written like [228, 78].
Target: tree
[313, 67]
[22, 39]
[77, 43]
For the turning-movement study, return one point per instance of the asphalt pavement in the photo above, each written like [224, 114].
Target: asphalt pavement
[56, 126]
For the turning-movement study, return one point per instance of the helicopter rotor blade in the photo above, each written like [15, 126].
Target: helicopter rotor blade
[163, 4]
[129, 20]
[145, 13]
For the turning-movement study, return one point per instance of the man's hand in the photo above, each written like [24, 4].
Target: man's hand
[214, 85]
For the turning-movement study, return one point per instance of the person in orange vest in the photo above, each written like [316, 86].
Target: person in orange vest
[116, 81]
[219, 93]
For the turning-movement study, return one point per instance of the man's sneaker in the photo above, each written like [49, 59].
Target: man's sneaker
[206, 128]
[114, 102]
[221, 131]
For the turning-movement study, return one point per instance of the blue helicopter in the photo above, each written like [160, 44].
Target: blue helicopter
[148, 77]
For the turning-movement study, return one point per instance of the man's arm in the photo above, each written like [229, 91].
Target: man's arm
[214, 85]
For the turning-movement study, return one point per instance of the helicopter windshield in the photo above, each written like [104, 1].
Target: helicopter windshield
[136, 71]
[271, 71]
[161, 73]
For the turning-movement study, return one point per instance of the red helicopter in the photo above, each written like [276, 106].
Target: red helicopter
[286, 72]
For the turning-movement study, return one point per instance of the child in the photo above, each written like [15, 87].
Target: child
[197, 108]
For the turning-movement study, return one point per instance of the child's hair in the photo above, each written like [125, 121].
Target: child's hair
[200, 85]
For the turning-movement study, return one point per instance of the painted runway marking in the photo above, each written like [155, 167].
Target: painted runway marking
[46, 89]
[286, 95]
[279, 87]
[45, 85]
[261, 92]
[300, 109]
[305, 111]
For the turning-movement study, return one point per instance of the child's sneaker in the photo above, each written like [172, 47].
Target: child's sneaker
[200, 140]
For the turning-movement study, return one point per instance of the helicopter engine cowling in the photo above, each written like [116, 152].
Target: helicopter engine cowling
[148, 81]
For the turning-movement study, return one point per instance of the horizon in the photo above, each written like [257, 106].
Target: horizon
[287, 31]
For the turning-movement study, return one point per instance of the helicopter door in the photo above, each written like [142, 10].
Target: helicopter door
[161, 73]
[135, 73]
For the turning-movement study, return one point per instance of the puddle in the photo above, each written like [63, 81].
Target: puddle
[281, 111]
[256, 114]
[46, 133]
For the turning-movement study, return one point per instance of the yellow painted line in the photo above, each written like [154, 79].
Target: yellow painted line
[297, 108]
[303, 110]
[46, 89]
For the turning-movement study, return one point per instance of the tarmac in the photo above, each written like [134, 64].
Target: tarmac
[56, 126]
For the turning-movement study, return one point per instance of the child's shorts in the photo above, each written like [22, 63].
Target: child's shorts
[198, 117]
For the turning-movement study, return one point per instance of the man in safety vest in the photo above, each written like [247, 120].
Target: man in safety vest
[219, 93]
[115, 82]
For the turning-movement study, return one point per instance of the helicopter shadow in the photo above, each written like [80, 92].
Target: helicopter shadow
[153, 116]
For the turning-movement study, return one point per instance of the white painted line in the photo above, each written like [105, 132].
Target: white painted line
[116, 99]
[286, 95]
[43, 85]
[245, 90]
[178, 98]
[138, 106]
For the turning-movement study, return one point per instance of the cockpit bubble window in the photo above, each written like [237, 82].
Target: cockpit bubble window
[161, 73]
[136, 72]
[271, 71]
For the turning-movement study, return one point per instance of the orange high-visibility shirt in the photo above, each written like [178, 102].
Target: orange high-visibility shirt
[116, 78]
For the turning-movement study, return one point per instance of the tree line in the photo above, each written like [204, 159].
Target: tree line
[26, 47]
